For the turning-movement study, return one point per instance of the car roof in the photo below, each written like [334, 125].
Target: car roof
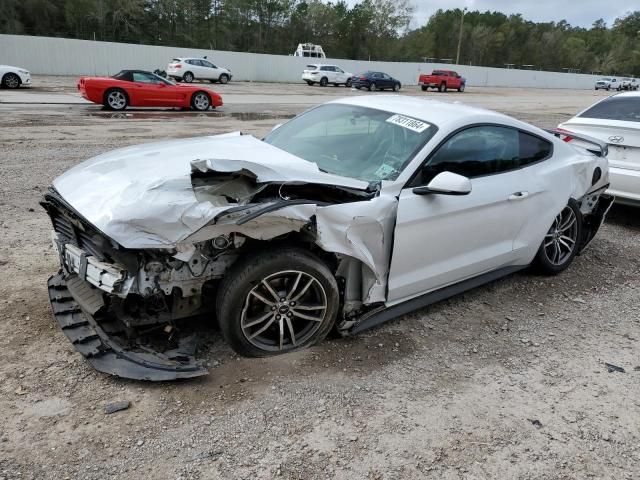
[432, 111]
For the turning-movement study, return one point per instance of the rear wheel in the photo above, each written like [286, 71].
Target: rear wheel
[276, 302]
[200, 101]
[11, 80]
[116, 99]
[324, 81]
[424, 88]
[188, 77]
[309, 82]
[560, 244]
[224, 78]
[372, 87]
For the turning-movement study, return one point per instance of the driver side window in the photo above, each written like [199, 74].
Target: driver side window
[475, 152]
[144, 78]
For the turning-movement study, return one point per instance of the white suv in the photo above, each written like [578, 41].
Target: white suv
[190, 69]
[326, 74]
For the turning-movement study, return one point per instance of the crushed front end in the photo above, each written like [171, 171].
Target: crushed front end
[120, 308]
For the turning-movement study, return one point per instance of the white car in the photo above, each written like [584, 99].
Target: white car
[189, 69]
[609, 83]
[630, 84]
[348, 215]
[14, 77]
[615, 120]
[325, 75]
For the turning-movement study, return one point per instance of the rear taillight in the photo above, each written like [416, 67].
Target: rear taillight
[178, 66]
[363, 78]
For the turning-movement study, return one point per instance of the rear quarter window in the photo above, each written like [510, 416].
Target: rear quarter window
[532, 149]
[626, 109]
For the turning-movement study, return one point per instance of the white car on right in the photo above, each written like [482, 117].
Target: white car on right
[616, 121]
[324, 75]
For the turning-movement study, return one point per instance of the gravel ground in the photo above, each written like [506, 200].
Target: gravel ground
[506, 381]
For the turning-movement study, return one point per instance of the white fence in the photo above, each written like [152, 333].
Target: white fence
[62, 56]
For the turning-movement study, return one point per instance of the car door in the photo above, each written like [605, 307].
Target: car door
[210, 71]
[153, 92]
[443, 239]
[341, 77]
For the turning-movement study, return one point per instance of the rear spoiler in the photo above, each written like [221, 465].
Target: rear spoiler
[599, 148]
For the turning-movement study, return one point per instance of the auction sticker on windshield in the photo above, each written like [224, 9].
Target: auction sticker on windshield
[408, 122]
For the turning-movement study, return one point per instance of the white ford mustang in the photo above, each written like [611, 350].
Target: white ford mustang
[615, 120]
[350, 214]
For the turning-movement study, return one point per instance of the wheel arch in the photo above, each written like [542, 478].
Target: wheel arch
[109, 89]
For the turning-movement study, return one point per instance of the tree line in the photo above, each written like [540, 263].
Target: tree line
[368, 29]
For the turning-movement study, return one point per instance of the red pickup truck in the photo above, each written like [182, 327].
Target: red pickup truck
[442, 80]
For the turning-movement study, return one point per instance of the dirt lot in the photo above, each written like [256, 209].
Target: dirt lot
[507, 381]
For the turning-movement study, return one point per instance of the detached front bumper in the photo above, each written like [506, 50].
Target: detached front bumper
[79, 310]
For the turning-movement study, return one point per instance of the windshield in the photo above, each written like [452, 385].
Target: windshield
[624, 108]
[353, 141]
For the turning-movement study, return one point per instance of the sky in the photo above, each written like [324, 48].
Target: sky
[580, 13]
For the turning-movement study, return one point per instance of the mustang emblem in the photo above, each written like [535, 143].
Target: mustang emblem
[616, 139]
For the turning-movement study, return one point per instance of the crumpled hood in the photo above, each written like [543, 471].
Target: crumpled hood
[142, 196]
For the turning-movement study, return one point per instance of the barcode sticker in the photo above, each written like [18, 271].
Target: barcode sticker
[408, 122]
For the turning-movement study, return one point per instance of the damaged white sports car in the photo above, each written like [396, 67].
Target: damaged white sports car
[350, 214]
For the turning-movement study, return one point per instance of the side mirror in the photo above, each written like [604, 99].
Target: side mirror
[446, 183]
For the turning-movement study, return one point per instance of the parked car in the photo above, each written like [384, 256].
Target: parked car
[442, 80]
[309, 50]
[373, 81]
[326, 74]
[14, 77]
[189, 69]
[137, 88]
[630, 84]
[616, 121]
[608, 83]
[351, 214]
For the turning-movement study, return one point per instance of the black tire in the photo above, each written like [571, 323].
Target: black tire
[188, 77]
[424, 88]
[542, 262]
[235, 299]
[116, 99]
[200, 101]
[442, 87]
[462, 87]
[224, 78]
[11, 80]
[596, 89]
[324, 81]
[608, 88]
[396, 87]
[348, 83]
[372, 87]
[309, 82]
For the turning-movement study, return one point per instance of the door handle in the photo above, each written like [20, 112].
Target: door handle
[518, 195]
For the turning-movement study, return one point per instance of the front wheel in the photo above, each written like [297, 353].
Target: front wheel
[276, 302]
[561, 242]
[224, 78]
[396, 87]
[11, 80]
[424, 88]
[309, 82]
[372, 87]
[442, 87]
[200, 101]
[461, 88]
[348, 83]
[116, 99]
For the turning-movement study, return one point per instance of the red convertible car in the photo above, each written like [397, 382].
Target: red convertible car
[138, 88]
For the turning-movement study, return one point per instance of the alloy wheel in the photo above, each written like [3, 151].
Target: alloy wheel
[562, 238]
[12, 81]
[201, 101]
[283, 311]
[116, 100]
